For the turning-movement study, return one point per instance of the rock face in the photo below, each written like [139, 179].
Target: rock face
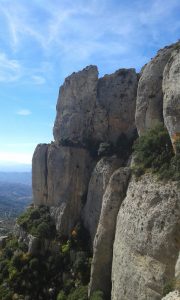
[103, 242]
[115, 105]
[172, 296]
[149, 105]
[95, 110]
[39, 175]
[171, 89]
[75, 107]
[60, 180]
[147, 240]
[97, 186]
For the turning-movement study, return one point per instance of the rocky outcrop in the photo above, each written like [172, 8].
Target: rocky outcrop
[171, 89]
[92, 110]
[103, 242]
[149, 105]
[147, 240]
[97, 186]
[115, 106]
[75, 107]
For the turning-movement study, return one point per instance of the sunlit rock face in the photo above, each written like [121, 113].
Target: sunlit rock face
[76, 106]
[147, 240]
[115, 105]
[171, 89]
[149, 105]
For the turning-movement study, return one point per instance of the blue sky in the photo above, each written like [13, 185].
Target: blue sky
[43, 41]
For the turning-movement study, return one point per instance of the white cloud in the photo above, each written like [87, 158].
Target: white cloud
[24, 112]
[39, 80]
[10, 69]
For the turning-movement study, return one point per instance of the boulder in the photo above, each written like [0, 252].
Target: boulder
[171, 89]
[104, 239]
[147, 240]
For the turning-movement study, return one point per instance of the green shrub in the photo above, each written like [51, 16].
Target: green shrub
[153, 151]
[81, 293]
[38, 222]
[61, 296]
[97, 295]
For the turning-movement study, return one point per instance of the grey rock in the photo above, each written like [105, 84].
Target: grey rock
[104, 239]
[97, 186]
[171, 89]
[39, 175]
[75, 107]
[69, 171]
[115, 105]
[175, 295]
[147, 240]
[149, 105]
[34, 245]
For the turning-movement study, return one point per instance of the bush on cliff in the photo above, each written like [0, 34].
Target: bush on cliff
[38, 222]
[153, 151]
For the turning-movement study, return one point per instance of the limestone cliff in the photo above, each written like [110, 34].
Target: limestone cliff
[85, 174]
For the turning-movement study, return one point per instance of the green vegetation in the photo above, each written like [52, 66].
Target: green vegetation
[38, 222]
[154, 152]
[60, 272]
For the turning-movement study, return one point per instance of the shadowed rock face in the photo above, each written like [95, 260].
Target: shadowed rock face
[60, 179]
[147, 240]
[97, 186]
[39, 175]
[149, 106]
[104, 239]
[171, 89]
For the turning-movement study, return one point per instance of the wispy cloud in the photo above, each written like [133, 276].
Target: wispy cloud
[39, 80]
[10, 69]
[24, 112]
[78, 31]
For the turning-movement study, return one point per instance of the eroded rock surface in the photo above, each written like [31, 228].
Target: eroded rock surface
[103, 242]
[147, 240]
[75, 107]
[149, 105]
[172, 296]
[171, 89]
[115, 105]
[97, 186]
